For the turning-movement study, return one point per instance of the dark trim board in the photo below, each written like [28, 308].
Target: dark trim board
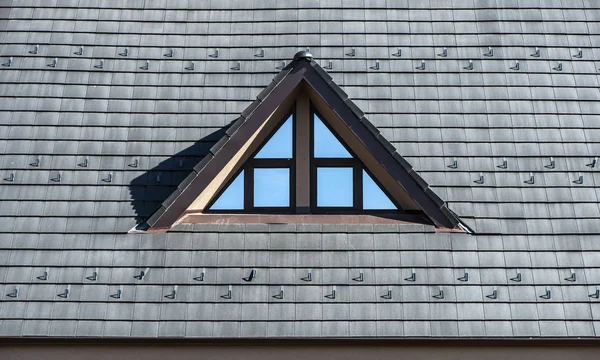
[285, 348]
[313, 341]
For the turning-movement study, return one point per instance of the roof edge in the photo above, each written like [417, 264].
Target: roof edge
[316, 341]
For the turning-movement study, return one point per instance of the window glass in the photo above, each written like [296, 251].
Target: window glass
[326, 145]
[334, 187]
[233, 197]
[271, 187]
[373, 197]
[279, 146]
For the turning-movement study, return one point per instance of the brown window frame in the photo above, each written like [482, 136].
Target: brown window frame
[354, 162]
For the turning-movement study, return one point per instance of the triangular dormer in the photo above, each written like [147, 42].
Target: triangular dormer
[303, 152]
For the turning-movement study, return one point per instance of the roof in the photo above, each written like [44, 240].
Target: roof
[123, 138]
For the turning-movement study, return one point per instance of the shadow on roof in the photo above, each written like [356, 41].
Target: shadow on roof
[149, 190]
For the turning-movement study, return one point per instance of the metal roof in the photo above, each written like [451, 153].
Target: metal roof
[100, 121]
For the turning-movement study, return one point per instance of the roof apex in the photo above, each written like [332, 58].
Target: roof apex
[303, 55]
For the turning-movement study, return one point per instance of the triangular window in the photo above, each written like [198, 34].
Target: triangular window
[338, 179]
[233, 196]
[373, 197]
[280, 145]
[326, 145]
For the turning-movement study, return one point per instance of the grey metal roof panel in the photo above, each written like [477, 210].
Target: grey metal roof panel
[580, 328]
[553, 328]
[470, 114]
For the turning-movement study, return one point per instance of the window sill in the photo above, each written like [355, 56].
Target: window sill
[301, 219]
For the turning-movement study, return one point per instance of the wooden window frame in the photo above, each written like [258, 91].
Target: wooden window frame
[265, 163]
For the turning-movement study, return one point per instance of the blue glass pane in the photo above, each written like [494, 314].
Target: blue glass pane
[233, 197]
[334, 187]
[271, 187]
[326, 144]
[373, 197]
[279, 146]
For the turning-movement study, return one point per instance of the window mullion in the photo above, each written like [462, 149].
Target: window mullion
[313, 188]
[303, 145]
[357, 187]
[249, 187]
